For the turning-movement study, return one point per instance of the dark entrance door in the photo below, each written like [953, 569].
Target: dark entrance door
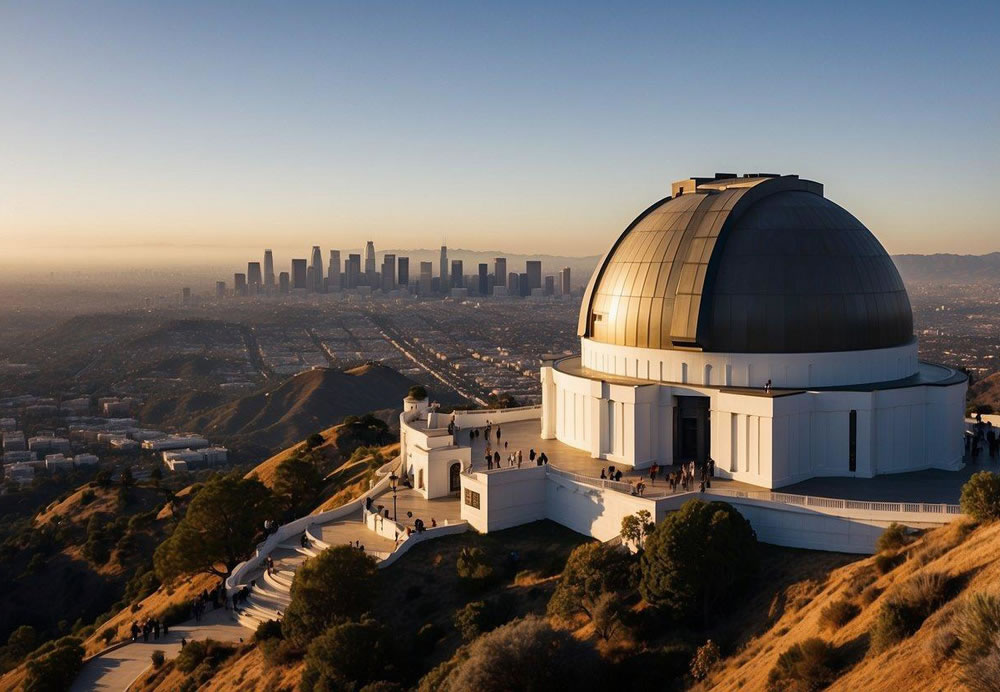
[692, 436]
[454, 484]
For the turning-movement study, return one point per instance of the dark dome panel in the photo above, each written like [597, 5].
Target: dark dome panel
[748, 265]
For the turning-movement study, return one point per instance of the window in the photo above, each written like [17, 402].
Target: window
[472, 498]
[852, 458]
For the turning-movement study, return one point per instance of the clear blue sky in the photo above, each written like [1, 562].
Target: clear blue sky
[521, 126]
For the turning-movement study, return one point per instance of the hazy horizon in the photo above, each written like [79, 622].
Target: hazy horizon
[197, 135]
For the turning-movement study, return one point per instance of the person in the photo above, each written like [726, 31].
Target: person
[489, 461]
[156, 629]
[703, 486]
[652, 475]
[135, 630]
[498, 434]
[145, 631]
[433, 523]
[183, 642]
[711, 467]
[362, 547]
[304, 541]
[496, 458]
[531, 454]
[604, 475]
[519, 458]
[618, 475]
[270, 564]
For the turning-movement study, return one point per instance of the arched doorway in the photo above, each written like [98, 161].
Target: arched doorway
[454, 484]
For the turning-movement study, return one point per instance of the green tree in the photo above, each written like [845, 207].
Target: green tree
[636, 527]
[525, 655]
[219, 528]
[697, 555]
[473, 565]
[331, 588]
[418, 392]
[314, 440]
[351, 655]
[297, 483]
[981, 496]
[55, 671]
[592, 570]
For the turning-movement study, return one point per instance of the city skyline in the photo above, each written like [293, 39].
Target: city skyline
[204, 131]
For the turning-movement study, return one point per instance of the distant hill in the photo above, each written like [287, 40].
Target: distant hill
[949, 268]
[986, 393]
[301, 405]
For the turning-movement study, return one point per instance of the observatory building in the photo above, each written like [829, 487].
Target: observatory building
[751, 321]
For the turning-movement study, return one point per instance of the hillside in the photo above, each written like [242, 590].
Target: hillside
[301, 405]
[966, 556]
[949, 268]
[986, 394]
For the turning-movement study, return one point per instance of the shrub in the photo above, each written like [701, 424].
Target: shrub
[176, 613]
[418, 392]
[592, 570]
[838, 614]
[158, 658]
[695, 556]
[473, 565]
[893, 538]
[479, 617]
[206, 655]
[336, 585]
[269, 629]
[705, 658]
[869, 595]
[607, 615]
[977, 626]
[860, 581]
[56, 670]
[808, 665]
[904, 612]
[886, 562]
[351, 655]
[314, 440]
[427, 638]
[982, 676]
[981, 496]
[525, 654]
[940, 646]
[279, 652]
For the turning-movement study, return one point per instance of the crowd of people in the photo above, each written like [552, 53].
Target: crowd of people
[682, 479]
[492, 456]
[982, 434]
[150, 627]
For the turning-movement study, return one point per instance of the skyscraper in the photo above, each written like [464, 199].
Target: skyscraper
[523, 285]
[403, 272]
[567, 288]
[268, 271]
[283, 283]
[457, 277]
[333, 272]
[550, 285]
[317, 270]
[186, 296]
[500, 271]
[444, 283]
[353, 270]
[370, 264]
[484, 278]
[254, 280]
[220, 289]
[239, 284]
[388, 272]
[512, 288]
[533, 268]
[426, 278]
[299, 274]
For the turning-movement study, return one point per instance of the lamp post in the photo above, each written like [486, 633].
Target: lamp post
[392, 481]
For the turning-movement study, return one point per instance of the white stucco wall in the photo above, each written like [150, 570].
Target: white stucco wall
[791, 370]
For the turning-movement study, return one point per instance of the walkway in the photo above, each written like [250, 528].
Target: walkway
[118, 669]
[930, 486]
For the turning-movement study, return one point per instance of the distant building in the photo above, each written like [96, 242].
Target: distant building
[388, 272]
[353, 270]
[283, 283]
[49, 445]
[299, 272]
[185, 296]
[370, 264]
[484, 278]
[533, 268]
[426, 285]
[220, 289]
[444, 283]
[317, 270]
[268, 271]
[255, 281]
[567, 288]
[550, 285]
[513, 281]
[403, 271]
[333, 272]
[175, 442]
[239, 284]
[457, 278]
[524, 284]
[86, 460]
[500, 271]
[21, 474]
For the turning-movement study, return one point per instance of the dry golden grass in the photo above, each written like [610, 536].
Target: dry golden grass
[971, 557]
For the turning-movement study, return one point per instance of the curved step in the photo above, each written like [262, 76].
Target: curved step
[268, 590]
[278, 582]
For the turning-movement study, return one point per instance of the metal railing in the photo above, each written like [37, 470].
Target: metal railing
[834, 503]
[620, 486]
